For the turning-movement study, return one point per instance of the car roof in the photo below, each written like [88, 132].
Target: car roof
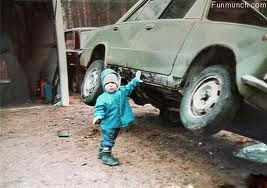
[199, 10]
[80, 29]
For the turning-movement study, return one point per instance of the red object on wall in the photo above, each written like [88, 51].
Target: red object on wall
[41, 87]
[3, 71]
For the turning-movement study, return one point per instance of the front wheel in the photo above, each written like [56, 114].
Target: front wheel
[91, 87]
[210, 101]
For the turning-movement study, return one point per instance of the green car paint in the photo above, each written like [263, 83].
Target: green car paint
[168, 47]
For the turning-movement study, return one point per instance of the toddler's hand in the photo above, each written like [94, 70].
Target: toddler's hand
[138, 76]
[264, 37]
[265, 77]
[96, 120]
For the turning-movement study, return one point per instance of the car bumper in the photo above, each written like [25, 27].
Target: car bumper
[70, 52]
[258, 98]
[255, 82]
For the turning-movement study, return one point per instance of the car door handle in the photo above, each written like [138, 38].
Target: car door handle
[149, 27]
[115, 28]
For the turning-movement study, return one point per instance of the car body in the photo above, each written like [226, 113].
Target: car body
[173, 42]
[74, 40]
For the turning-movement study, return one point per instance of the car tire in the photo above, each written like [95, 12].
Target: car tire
[169, 117]
[210, 101]
[75, 83]
[91, 86]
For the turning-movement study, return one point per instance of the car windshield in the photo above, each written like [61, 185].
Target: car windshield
[259, 5]
[237, 11]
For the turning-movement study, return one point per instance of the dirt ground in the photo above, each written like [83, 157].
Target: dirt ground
[152, 153]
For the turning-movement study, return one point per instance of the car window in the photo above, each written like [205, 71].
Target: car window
[153, 10]
[133, 16]
[235, 12]
[177, 9]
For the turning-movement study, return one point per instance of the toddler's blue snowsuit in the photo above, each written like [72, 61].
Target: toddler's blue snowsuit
[114, 110]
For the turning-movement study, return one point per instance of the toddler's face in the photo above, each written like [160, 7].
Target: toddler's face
[111, 87]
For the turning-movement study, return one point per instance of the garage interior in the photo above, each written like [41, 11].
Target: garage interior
[28, 42]
[28, 49]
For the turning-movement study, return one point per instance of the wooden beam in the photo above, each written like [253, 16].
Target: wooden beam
[61, 49]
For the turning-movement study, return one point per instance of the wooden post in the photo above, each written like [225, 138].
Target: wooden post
[61, 50]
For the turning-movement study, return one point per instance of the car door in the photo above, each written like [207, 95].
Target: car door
[121, 39]
[162, 31]
[121, 49]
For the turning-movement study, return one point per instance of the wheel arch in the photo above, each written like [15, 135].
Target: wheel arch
[98, 53]
[212, 55]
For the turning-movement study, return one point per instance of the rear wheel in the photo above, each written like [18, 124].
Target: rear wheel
[210, 101]
[91, 87]
[76, 81]
[170, 117]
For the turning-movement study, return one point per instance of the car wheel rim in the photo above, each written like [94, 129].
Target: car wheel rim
[205, 96]
[91, 82]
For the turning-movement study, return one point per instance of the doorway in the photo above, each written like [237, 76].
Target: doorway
[28, 50]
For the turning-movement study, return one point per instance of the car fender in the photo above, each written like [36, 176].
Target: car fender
[95, 39]
[87, 54]
[85, 57]
[243, 40]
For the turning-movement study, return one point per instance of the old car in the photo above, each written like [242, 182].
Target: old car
[201, 58]
[75, 42]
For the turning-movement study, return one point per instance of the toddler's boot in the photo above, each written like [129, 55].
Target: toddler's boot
[108, 159]
[100, 153]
